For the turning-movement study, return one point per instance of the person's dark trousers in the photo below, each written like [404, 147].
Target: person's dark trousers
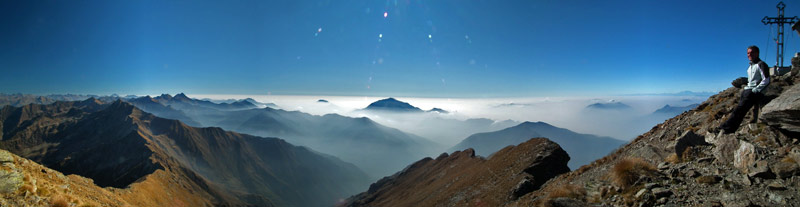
[748, 99]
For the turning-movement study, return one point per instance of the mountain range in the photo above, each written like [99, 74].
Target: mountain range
[608, 106]
[162, 161]
[383, 150]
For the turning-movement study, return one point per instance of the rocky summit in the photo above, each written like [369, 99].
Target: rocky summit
[683, 162]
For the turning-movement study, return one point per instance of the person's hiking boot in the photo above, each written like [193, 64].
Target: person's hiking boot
[727, 130]
[721, 130]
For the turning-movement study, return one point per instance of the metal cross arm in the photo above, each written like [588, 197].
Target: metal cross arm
[777, 20]
[780, 21]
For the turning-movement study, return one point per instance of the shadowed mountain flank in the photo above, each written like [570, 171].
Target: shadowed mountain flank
[463, 179]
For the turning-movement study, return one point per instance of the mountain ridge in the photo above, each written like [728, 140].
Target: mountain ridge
[208, 160]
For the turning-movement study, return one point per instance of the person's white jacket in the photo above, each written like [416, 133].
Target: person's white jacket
[757, 76]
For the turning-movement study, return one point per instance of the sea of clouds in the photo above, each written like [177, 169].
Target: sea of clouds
[565, 112]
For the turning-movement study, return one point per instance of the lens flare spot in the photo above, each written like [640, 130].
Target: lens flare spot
[385, 14]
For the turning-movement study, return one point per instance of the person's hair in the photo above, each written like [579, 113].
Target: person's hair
[754, 48]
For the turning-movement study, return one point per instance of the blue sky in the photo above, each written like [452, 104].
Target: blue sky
[422, 48]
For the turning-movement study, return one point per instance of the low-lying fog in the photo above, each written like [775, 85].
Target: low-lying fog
[448, 129]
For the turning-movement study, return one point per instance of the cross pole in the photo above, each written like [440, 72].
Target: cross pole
[780, 21]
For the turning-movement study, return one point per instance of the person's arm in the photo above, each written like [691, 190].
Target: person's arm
[764, 78]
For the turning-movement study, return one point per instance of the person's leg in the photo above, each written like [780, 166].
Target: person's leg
[758, 102]
[745, 102]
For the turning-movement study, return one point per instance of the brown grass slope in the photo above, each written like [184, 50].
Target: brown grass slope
[462, 179]
[26, 183]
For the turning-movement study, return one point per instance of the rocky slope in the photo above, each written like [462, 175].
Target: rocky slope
[463, 179]
[681, 162]
[163, 162]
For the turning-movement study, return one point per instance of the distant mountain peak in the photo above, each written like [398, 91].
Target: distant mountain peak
[392, 104]
[165, 96]
[181, 96]
[538, 123]
[439, 110]
[675, 110]
[611, 105]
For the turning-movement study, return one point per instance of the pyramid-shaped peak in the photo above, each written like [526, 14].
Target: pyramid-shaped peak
[392, 104]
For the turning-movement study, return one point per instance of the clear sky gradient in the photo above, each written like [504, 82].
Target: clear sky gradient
[413, 48]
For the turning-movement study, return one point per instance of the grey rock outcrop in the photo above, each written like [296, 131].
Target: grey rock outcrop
[784, 111]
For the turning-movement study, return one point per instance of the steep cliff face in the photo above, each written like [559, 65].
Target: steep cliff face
[462, 179]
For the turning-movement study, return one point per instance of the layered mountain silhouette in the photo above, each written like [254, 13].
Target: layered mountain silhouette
[614, 105]
[674, 110]
[382, 150]
[118, 145]
[583, 148]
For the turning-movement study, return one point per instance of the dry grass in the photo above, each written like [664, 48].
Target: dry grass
[673, 158]
[42, 192]
[564, 191]
[629, 170]
[568, 191]
[58, 201]
[788, 160]
[28, 188]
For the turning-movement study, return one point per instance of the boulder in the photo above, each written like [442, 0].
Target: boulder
[744, 157]
[784, 169]
[726, 145]
[760, 170]
[687, 140]
[5, 157]
[784, 111]
[661, 192]
[549, 162]
[739, 82]
[10, 180]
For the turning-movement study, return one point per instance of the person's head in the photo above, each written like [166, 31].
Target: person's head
[752, 53]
